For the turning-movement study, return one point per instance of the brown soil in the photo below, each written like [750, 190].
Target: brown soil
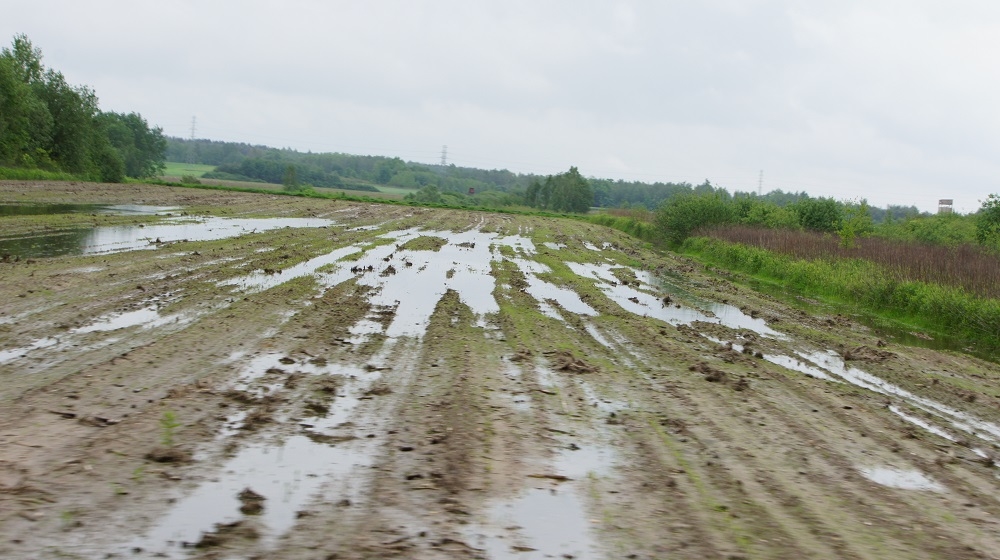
[663, 441]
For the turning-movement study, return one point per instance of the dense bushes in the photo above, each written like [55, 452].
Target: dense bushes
[683, 214]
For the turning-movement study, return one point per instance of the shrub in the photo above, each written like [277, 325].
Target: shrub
[680, 216]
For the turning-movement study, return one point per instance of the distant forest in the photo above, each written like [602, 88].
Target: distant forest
[448, 184]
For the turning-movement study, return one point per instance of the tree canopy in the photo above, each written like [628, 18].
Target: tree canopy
[47, 123]
[566, 192]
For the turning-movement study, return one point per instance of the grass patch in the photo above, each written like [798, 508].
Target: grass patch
[636, 226]
[177, 169]
[395, 190]
[18, 174]
[424, 243]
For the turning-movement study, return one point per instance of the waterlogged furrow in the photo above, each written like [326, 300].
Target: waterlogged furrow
[146, 318]
[831, 367]
[543, 291]
[986, 431]
[287, 472]
[641, 301]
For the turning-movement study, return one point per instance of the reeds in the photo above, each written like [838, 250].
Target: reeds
[966, 266]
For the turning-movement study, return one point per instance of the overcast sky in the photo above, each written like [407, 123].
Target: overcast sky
[893, 101]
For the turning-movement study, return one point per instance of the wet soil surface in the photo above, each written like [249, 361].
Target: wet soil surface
[295, 378]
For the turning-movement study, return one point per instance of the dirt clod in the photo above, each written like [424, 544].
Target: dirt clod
[564, 360]
[252, 502]
[169, 455]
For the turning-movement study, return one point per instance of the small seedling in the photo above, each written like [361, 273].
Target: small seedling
[168, 424]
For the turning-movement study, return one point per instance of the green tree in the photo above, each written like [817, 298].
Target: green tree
[856, 222]
[47, 123]
[141, 148]
[566, 192]
[819, 214]
[988, 223]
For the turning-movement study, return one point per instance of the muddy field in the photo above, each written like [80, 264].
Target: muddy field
[203, 374]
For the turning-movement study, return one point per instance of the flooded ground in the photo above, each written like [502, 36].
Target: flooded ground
[220, 375]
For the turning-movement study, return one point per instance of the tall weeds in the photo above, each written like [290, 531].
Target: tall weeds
[965, 266]
[869, 284]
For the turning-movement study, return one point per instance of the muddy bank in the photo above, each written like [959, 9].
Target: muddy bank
[372, 381]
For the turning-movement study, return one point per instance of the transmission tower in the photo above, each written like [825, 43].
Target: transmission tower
[194, 121]
[760, 183]
[444, 155]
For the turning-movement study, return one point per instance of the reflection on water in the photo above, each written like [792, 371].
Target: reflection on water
[114, 239]
[54, 209]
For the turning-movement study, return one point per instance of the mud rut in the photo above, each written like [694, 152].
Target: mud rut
[419, 383]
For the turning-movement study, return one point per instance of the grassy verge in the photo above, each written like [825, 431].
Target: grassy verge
[863, 284]
[18, 174]
[636, 227]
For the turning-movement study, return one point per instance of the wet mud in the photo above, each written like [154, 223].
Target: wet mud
[227, 375]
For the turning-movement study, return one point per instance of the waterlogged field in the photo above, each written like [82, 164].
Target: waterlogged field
[231, 375]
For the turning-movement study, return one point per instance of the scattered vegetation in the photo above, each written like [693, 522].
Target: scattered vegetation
[168, 423]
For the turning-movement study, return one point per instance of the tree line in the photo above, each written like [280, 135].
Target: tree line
[48, 124]
[689, 213]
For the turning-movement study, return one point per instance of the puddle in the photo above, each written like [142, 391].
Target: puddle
[596, 335]
[146, 318]
[515, 396]
[14, 353]
[53, 209]
[260, 281]
[903, 479]
[411, 282]
[830, 361]
[640, 301]
[363, 330]
[545, 376]
[523, 245]
[547, 520]
[543, 291]
[588, 460]
[920, 422]
[116, 239]
[541, 523]
[287, 474]
[796, 364]
[604, 405]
